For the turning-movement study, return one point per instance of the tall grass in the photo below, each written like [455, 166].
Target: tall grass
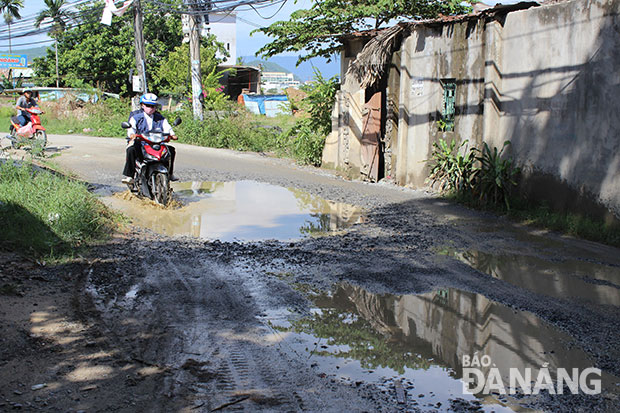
[45, 214]
[233, 129]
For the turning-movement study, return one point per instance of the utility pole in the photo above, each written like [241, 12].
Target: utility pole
[194, 58]
[139, 46]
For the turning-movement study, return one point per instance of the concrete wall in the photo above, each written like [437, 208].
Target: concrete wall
[544, 78]
[430, 55]
[560, 89]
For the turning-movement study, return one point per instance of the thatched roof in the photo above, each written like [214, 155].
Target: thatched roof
[369, 66]
[371, 62]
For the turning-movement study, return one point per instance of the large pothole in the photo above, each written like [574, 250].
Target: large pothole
[241, 211]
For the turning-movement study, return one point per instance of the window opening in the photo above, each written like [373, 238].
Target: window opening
[449, 99]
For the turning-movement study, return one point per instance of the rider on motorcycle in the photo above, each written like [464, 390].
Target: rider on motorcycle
[142, 121]
[25, 101]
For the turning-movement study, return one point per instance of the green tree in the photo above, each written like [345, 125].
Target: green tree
[173, 74]
[101, 56]
[10, 11]
[316, 32]
[59, 18]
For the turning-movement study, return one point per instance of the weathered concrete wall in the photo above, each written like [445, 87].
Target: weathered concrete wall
[430, 55]
[342, 146]
[560, 92]
[545, 78]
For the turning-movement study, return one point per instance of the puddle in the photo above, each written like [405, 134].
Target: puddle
[420, 341]
[588, 281]
[241, 210]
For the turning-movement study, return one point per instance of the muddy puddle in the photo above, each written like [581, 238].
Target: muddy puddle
[418, 343]
[592, 282]
[240, 211]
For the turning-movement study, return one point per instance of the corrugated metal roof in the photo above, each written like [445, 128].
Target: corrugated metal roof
[483, 12]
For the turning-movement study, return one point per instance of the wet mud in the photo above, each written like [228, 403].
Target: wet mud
[376, 316]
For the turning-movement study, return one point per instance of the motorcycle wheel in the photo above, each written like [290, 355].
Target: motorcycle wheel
[161, 189]
[41, 136]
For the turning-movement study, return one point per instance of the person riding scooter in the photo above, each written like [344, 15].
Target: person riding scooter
[145, 119]
[25, 101]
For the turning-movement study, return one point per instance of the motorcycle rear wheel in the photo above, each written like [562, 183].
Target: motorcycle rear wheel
[41, 136]
[161, 189]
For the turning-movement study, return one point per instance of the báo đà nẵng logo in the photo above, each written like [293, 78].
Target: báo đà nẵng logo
[481, 376]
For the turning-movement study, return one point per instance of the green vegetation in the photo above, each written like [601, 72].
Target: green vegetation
[307, 137]
[64, 117]
[580, 226]
[102, 56]
[233, 128]
[486, 179]
[47, 215]
[481, 177]
[317, 31]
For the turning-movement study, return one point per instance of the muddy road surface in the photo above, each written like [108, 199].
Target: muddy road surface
[390, 311]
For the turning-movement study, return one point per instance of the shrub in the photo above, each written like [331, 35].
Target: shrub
[453, 170]
[483, 176]
[309, 133]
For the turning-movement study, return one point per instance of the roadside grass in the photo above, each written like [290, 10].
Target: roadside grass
[64, 117]
[47, 215]
[542, 216]
[234, 128]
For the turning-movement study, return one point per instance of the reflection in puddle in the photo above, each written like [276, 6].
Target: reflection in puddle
[595, 283]
[421, 339]
[243, 210]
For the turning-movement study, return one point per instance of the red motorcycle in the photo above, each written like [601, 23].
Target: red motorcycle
[33, 130]
[151, 177]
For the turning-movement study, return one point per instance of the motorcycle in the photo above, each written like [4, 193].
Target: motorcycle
[151, 177]
[33, 130]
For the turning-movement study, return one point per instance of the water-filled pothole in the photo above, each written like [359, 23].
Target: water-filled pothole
[419, 342]
[241, 210]
[593, 282]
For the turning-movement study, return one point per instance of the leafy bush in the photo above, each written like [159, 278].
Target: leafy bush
[483, 176]
[233, 128]
[453, 170]
[45, 214]
[309, 133]
[495, 177]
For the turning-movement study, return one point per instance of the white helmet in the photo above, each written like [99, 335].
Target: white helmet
[149, 99]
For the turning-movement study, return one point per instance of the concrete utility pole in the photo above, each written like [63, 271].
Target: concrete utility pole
[139, 46]
[194, 57]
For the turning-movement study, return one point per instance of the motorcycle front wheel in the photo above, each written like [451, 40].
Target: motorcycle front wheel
[161, 188]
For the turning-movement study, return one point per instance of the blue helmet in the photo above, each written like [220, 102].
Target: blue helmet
[149, 99]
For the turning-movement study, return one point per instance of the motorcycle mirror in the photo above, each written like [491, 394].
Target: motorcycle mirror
[177, 121]
[125, 125]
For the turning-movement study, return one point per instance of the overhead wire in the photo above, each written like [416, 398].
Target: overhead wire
[25, 26]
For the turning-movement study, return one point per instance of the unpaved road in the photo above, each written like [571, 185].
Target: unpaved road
[205, 325]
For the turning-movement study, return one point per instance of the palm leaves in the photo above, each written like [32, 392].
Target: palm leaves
[10, 10]
[56, 14]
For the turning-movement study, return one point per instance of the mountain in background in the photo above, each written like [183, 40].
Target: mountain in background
[31, 53]
[303, 72]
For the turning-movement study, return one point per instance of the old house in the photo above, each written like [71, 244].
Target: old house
[544, 76]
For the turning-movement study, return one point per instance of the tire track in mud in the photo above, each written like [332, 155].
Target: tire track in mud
[198, 318]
